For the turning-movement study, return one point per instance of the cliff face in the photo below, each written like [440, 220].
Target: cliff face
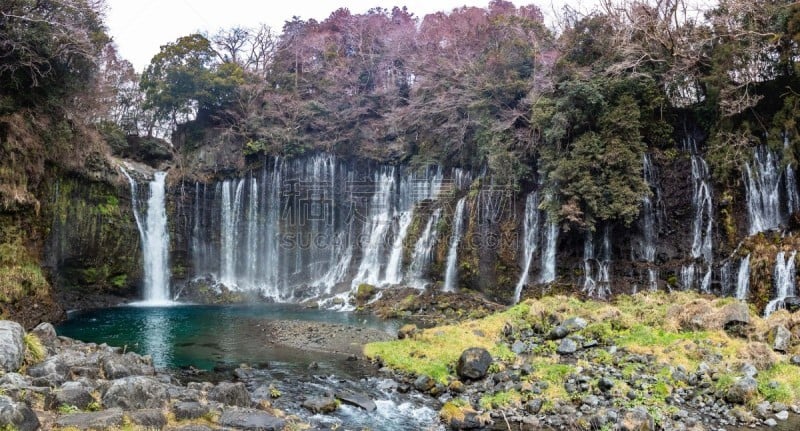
[316, 225]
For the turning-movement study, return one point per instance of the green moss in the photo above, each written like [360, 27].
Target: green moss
[500, 399]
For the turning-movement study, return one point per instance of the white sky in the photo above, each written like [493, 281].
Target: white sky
[140, 27]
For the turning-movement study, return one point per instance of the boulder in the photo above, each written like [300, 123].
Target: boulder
[149, 418]
[735, 314]
[742, 390]
[792, 303]
[474, 363]
[780, 338]
[321, 404]
[189, 410]
[107, 419]
[52, 372]
[17, 416]
[12, 346]
[47, 335]
[78, 397]
[356, 399]
[230, 394]
[129, 364]
[567, 346]
[138, 392]
[250, 419]
[636, 419]
[407, 331]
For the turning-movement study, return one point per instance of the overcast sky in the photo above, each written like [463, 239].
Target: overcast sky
[140, 27]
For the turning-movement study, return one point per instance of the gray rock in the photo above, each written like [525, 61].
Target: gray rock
[779, 407]
[792, 303]
[784, 415]
[14, 380]
[320, 404]
[129, 364]
[138, 392]
[605, 384]
[795, 360]
[106, 419]
[781, 338]
[574, 324]
[78, 397]
[17, 416]
[735, 314]
[149, 418]
[748, 370]
[52, 372]
[356, 399]
[250, 419]
[473, 363]
[230, 394]
[424, 383]
[557, 333]
[742, 390]
[771, 422]
[519, 347]
[533, 406]
[12, 346]
[636, 419]
[763, 409]
[567, 346]
[46, 333]
[189, 410]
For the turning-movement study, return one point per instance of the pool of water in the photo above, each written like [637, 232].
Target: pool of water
[203, 336]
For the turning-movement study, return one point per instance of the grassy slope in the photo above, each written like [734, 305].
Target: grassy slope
[677, 329]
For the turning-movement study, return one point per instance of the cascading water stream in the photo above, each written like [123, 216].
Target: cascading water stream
[743, 279]
[155, 239]
[647, 248]
[376, 228]
[763, 190]
[702, 222]
[548, 274]
[451, 271]
[531, 241]
[783, 281]
[423, 251]
[597, 284]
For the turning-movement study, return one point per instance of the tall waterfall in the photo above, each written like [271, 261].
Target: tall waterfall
[451, 271]
[155, 239]
[423, 251]
[531, 241]
[376, 228]
[597, 284]
[548, 274]
[763, 187]
[743, 279]
[284, 232]
[783, 281]
[647, 246]
[702, 223]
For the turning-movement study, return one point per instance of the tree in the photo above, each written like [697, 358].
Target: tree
[48, 50]
[184, 80]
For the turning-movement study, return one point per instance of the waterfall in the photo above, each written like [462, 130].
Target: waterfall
[702, 222]
[792, 198]
[649, 230]
[763, 188]
[376, 228]
[597, 285]
[155, 239]
[451, 273]
[548, 274]
[231, 204]
[531, 240]
[783, 281]
[423, 251]
[743, 279]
